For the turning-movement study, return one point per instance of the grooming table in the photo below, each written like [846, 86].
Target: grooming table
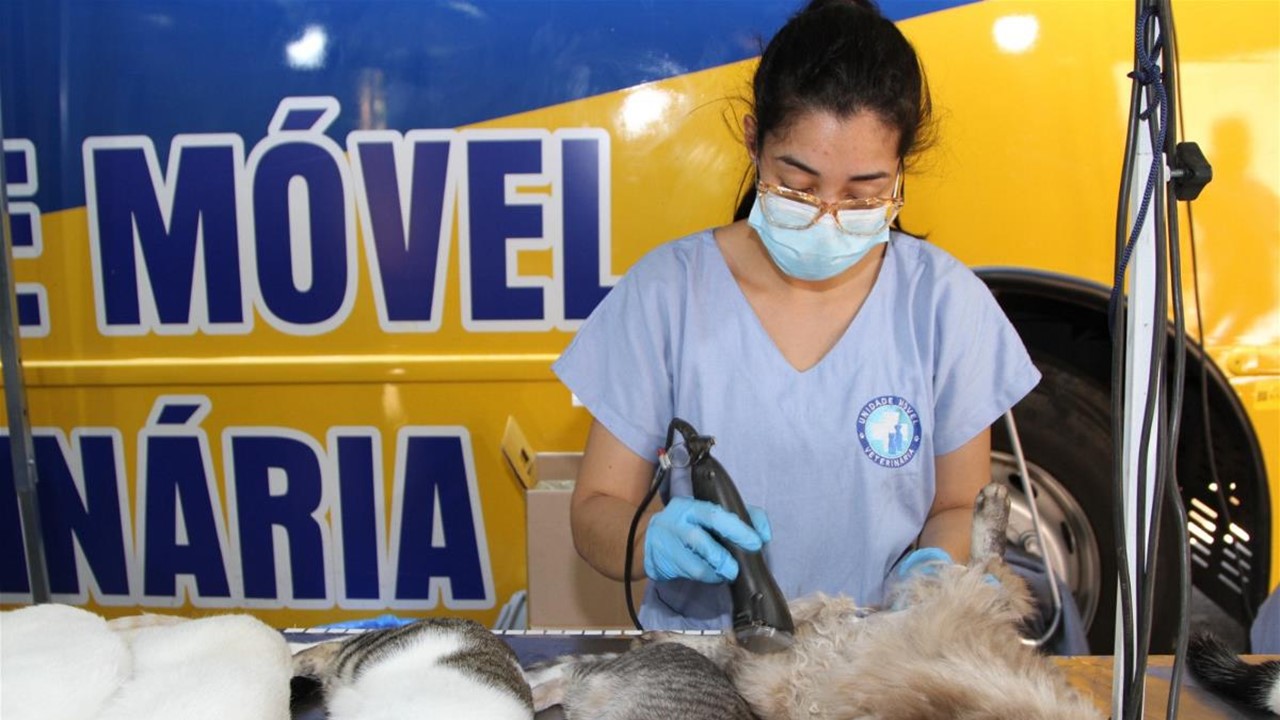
[1091, 675]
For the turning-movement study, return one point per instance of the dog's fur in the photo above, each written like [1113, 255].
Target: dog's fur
[954, 651]
[1256, 685]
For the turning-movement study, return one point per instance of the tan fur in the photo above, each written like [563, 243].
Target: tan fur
[953, 652]
[315, 661]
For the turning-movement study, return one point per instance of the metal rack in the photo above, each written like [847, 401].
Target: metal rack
[15, 397]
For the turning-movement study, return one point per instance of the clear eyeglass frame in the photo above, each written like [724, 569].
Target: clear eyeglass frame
[890, 205]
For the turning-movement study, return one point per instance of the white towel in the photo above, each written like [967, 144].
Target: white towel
[223, 667]
[58, 663]
[63, 663]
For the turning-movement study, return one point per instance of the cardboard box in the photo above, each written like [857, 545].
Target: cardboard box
[564, 591]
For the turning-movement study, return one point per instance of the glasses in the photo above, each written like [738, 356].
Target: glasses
[796, 210]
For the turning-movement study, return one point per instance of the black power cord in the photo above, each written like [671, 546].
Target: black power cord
[1153, 49]
[1175, 191]
[659, 476]
[1150, 47]
[1117, 308]
[1126, 240]
[1191, 162]
[1215, 482]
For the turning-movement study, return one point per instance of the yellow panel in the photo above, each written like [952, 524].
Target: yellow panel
[1031, 98]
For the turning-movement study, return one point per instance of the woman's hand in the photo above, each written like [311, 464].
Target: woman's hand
[681, 541]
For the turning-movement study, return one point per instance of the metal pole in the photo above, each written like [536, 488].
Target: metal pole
[1141, 327]
[15, 398]
[1144, 325]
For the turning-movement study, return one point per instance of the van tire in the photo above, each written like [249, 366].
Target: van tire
[1064, 426]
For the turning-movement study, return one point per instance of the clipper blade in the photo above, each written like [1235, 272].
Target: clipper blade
[763, 640]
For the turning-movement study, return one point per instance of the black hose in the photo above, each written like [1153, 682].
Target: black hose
[1177, 391]
[1160, 397]
[1173, 97]
[659, 475]
[1163, 392]
[1116, 314]
[1155, 410]
[1216, 485]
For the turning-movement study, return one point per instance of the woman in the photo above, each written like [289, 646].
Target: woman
[849, 373]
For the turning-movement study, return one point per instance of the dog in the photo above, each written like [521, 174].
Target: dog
[952, 651]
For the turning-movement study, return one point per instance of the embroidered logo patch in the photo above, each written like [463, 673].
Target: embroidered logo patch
[889, 430]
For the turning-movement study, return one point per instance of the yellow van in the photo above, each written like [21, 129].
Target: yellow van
[284, 273]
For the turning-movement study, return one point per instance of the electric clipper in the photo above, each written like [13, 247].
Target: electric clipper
[761, 619]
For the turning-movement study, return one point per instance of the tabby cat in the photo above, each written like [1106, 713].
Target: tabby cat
[651, 682]
[432, 668]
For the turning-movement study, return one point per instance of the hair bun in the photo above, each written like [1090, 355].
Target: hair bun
[820, 5]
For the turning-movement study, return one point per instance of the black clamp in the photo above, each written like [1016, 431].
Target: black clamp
[1191, 171]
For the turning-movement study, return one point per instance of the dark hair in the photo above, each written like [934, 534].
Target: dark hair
[842, 57]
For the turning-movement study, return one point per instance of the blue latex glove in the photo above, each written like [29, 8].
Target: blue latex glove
[922, 562]
[679, 542]
[925, 562]
[381, 621]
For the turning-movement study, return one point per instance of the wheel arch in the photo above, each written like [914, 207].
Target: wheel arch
[1063, 319]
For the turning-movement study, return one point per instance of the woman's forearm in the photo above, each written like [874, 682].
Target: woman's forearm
[950, 530]
[600, 525]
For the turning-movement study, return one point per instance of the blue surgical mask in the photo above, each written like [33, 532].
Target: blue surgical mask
[820, 251]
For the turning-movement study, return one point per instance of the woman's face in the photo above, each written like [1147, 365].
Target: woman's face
[830, 157]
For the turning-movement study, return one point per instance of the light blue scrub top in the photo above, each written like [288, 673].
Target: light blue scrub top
[840, 456]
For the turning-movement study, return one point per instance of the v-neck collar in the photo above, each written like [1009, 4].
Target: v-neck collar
[741, 297]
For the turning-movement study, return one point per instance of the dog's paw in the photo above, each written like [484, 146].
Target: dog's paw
[992, 501]
[990, 522]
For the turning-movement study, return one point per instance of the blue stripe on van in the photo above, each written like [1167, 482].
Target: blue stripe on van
[79, 68]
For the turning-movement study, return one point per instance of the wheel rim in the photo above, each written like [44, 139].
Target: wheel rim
[1070, 542]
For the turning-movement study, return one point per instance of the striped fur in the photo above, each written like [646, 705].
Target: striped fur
[433, 668]
[650, 682]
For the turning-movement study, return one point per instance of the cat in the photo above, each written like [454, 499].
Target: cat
[651, 682]
[1255, 685]
[953, 651]
[432, 668]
